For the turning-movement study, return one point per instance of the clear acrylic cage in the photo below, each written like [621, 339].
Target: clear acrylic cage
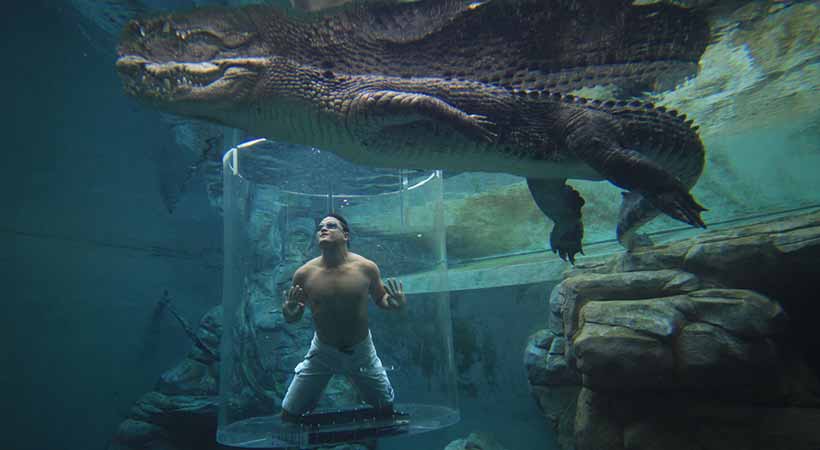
[274, 195]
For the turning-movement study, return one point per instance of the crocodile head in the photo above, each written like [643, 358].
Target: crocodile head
[201, 64]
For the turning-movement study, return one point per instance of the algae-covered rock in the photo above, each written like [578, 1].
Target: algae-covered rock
[705, 342]
[496, 222]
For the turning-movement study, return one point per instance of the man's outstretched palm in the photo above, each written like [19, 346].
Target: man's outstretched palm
[395, 294]
[294, 302]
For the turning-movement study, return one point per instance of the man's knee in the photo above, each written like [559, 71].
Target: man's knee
[376, 393]
[296, 403]
[287, 416]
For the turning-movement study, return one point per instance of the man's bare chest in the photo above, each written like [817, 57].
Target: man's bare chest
[336, 284]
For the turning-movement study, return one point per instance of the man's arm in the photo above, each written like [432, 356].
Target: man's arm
[294, 299]
[387, 296]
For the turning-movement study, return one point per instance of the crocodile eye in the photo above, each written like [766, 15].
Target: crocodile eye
[135, 28]
[328, 74]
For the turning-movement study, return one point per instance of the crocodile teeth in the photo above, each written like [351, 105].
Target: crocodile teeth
[203, 68]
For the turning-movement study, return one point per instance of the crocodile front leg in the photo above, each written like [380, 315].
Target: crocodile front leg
[562, 204]
[374, 110]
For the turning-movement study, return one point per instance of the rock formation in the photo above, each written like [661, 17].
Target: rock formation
[704, 343]
[181, 412]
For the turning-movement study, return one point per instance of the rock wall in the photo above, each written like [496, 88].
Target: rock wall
[705, 343]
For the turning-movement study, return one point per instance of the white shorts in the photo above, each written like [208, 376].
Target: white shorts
[322, 361]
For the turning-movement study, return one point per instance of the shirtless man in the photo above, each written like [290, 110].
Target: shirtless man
[336, 286]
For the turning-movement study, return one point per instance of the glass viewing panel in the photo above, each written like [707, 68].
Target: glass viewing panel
[274, 196]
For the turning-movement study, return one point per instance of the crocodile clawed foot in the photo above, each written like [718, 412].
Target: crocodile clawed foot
[565, 240]
[679, 205]
[482, 126]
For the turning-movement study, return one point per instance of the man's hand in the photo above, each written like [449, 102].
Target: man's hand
[394, 298]
[293, 304]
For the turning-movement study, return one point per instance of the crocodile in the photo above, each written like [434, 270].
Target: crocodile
[447, 84]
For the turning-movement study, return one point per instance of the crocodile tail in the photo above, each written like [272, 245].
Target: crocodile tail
[663, 135]
[666, 136]
[653, 153]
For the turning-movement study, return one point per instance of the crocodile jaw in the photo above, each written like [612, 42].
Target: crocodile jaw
[202, 64]
[186, 87]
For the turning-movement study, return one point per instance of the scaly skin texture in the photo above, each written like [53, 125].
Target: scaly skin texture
[443, 84]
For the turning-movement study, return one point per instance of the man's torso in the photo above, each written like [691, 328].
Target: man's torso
[338, 299]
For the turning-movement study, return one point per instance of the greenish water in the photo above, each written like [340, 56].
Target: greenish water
[108, 204]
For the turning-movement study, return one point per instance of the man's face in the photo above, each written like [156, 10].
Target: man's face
[330, 230]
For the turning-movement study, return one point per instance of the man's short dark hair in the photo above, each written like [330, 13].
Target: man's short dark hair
[345, 226]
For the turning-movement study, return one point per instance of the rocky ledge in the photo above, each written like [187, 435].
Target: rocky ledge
[706, 343]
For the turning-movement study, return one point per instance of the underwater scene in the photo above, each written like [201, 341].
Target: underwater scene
[412, 225]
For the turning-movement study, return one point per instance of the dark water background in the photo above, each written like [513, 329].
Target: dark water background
[87, 246]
